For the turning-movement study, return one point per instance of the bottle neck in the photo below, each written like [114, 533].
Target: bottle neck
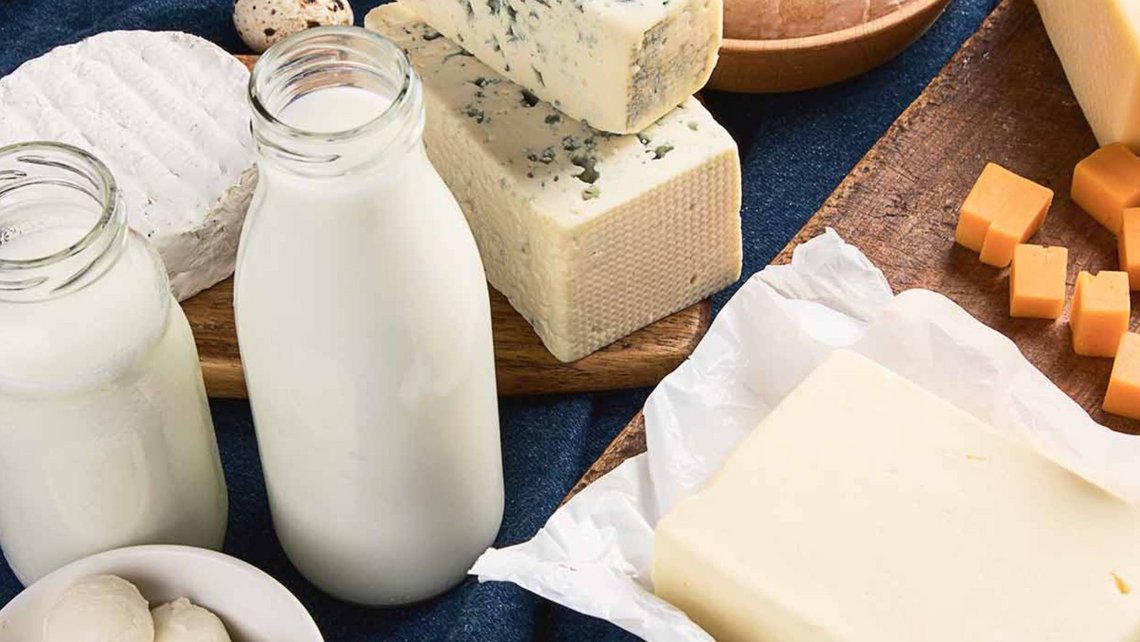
[62, 223]
[332, 101]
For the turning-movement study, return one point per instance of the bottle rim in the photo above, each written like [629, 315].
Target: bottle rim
[277, 60]
[35, 164]
[85, 166]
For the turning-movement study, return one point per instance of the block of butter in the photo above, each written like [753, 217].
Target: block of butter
[618, 65]
[865, 509]
[590, 235]
[1098, 42]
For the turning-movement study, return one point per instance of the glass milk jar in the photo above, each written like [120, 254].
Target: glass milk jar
[106, 438]
[364, 327]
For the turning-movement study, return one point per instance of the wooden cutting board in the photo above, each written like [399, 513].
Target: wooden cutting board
[1002, 98]
[522, 364]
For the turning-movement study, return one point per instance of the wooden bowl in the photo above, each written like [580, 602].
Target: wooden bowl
[792, 64]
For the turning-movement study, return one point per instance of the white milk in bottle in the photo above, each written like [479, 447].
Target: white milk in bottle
[105, 434]
[364, 326]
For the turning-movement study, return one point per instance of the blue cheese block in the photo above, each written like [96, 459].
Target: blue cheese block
[590, 235]
[619, 65]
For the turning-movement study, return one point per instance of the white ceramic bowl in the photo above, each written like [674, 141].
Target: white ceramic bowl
[254, 606]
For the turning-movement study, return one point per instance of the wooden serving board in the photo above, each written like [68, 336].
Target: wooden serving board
[1002, 98]
[522, 364]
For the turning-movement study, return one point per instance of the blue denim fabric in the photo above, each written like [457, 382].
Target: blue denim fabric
[796, 148]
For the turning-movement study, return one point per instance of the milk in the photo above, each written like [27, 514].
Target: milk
[105, 435]
[364, 326]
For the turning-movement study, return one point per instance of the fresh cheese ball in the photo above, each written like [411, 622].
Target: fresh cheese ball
[181, 621]
[778, 19]
[100, 608]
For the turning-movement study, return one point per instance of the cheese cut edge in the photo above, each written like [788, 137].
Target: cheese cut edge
[618, 66]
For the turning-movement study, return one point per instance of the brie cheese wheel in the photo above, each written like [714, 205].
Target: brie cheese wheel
[166, 112]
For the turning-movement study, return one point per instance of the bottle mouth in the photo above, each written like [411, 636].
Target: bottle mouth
[39, 181]
[322, 58]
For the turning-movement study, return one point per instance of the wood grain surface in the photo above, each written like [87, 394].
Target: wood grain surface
[792, 64]
[1002, 98]
[522, 363]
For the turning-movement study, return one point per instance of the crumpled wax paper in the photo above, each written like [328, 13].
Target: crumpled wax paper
[594, 553]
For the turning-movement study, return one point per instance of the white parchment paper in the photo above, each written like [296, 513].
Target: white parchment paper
[594, 553]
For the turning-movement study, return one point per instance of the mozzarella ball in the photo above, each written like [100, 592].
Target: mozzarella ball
[260, 23]
[100, 608]
[181, 621]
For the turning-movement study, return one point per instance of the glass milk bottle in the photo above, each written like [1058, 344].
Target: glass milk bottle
[364, 327]
[106, 438]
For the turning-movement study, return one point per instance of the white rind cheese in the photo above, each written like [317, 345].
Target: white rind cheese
[1098, 42]
[619, 65]
[166, 112]
[866, 509]
[590, 235]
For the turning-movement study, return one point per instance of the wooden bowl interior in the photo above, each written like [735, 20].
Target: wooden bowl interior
[792, 64]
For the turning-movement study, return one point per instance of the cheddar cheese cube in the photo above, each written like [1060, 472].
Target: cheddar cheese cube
[1123, 396]
[1037, 281]
[1129, 245]
[1106, 183]
[1100, 313]
[1001, 211]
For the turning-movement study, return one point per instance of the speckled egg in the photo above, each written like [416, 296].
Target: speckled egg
[263, 22]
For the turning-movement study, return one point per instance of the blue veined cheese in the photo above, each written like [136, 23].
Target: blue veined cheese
[619, 65]
[590, 235]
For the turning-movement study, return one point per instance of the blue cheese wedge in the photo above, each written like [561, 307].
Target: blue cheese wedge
[590, 235]
[617, 64]
[166, 112]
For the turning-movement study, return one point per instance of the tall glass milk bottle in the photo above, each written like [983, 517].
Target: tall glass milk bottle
[364, 327]
[105, 434]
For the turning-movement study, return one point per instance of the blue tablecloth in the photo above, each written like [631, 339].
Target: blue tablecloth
[796, 148]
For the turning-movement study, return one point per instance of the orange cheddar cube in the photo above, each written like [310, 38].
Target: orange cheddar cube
[1037, 281]
[1100, 313]
[1129, 245]
[1123, 396]
[1106, 183]
[1001, 211]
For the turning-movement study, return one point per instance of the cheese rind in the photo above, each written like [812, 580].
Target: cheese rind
[590, 235]
[166, 112]
[864, 509]
[1098, 42]
[620, 66]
